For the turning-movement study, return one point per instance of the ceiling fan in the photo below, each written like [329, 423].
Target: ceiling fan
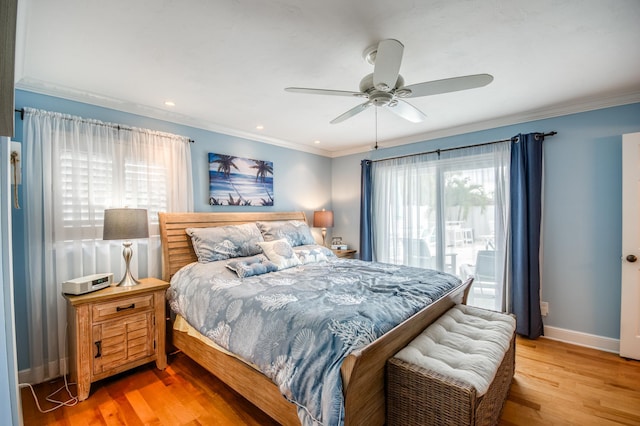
[385, 86]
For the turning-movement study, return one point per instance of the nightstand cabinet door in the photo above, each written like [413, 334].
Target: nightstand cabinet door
[121, 341]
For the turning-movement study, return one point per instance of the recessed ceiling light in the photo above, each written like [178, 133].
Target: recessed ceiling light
[259, 127]
[169, 103]
[316, 142]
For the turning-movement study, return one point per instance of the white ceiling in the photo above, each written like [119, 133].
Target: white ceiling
[225, 63]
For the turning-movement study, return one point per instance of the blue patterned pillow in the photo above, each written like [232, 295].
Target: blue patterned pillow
[314, 248]
[296, 232]
[250, 266]
[224, 242]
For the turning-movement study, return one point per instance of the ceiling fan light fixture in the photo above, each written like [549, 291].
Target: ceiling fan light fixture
[369, 54]
[403, 93]
[380, 98]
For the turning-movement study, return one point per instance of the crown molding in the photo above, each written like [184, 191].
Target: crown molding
[43, 88]
[567, 108]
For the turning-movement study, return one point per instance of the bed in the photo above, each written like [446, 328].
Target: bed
[362, 371]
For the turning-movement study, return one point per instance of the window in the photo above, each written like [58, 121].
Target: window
[445, 212]
[77, 168]
[106, 173]
[84, 182]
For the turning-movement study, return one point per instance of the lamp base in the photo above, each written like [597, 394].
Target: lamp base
[127, 280]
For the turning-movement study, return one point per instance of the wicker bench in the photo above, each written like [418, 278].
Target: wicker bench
[456, 372]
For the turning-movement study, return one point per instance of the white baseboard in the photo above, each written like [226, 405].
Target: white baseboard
[37, 375]
[25, 376]
[606, 344]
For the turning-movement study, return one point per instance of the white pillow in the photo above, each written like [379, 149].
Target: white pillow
[280, 252]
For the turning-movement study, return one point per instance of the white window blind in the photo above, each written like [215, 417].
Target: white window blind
[146, 186]
[89, 186]
[84, 183]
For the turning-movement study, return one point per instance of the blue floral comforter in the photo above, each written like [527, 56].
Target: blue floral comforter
[297, 325]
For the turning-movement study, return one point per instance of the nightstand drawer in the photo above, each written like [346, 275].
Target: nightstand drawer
[117, 308]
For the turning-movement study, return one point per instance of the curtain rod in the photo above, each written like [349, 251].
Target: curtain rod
[438, 151]
[113, 126]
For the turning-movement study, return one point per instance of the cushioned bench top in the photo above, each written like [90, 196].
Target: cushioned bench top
[465, 343]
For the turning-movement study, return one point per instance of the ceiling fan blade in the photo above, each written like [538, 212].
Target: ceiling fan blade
[407, 111]
[387, 64]
[353, 111]
[448, 85]
[325, 92]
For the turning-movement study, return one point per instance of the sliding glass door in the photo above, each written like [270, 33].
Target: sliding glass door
[446, 212]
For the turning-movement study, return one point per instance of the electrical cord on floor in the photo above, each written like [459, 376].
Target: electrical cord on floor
[73, 400]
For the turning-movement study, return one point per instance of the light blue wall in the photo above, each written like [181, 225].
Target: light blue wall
[301, 180]
[581, 229]
[582, 211]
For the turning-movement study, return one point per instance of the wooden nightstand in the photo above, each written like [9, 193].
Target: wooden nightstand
[115, 329]
[347, 254]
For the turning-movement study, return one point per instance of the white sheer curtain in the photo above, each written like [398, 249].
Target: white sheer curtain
[74, 169]
[445, 212]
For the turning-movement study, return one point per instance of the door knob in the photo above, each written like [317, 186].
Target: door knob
[632, 258]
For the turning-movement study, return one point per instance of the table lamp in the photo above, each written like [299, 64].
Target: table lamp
[323, 219]
[126, 224]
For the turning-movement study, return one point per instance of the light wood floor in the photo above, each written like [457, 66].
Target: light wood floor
[555, 384]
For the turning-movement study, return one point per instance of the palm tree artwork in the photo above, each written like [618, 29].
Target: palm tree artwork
[236, 181]
[263, 169]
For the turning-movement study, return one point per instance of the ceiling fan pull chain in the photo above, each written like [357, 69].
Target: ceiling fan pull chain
[376, 126]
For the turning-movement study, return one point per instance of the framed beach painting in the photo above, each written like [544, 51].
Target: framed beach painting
[235, 181]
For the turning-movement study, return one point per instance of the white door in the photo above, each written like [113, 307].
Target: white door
[630, 305]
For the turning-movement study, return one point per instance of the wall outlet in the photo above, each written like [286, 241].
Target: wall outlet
[544, 308]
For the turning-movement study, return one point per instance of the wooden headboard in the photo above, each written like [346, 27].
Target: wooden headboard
[177, 250]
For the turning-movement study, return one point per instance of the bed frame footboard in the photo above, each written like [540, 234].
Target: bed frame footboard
[363, 372]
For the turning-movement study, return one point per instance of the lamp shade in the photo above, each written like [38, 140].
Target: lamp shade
[323, 219]
[125, 224]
